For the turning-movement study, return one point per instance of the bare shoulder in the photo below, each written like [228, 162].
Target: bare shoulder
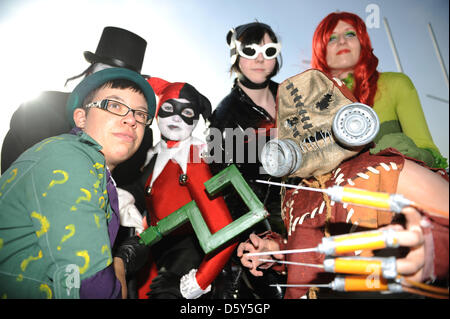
[422, 185]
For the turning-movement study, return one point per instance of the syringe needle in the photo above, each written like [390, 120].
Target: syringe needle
[291, 186]
[301, 285]
[283, 252]
[291, 263]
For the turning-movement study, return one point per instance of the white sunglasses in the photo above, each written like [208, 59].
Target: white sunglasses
[251, 51]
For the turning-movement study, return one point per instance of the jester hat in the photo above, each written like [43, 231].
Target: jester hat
[179, 90]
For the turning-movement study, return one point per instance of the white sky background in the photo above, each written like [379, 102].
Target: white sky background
[42, 43]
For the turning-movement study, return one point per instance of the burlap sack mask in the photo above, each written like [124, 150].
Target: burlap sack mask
[307, 104]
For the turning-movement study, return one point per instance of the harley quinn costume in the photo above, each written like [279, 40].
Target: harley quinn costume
[178, 268]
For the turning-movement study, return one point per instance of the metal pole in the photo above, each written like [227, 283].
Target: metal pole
[437, 98]
[438, 53]
[391, 41]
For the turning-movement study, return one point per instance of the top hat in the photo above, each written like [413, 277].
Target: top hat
[120, 48]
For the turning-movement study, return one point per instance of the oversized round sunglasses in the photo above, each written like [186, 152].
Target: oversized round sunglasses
[121, 109]
[251, 51]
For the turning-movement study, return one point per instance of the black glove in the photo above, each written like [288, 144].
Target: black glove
[165, 286]
[133, 253]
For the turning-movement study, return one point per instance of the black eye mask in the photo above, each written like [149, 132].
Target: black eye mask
[178, 108]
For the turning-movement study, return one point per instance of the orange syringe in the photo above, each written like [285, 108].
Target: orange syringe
[341, 244]
[361, 197]
[374, 283]
[353, 283]
[377, 266]
[356, 196]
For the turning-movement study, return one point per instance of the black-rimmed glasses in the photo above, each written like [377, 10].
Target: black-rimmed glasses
[121, 109]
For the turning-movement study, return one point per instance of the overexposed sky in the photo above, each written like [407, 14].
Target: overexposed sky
[42, 43]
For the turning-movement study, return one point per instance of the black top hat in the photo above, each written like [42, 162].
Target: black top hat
[119, 47]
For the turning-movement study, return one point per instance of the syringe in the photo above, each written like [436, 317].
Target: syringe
[353, 283]
[356, 196]
[361, 197]
[341, 244]
[378, 266]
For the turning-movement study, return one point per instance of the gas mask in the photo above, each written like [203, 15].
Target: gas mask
[319, 125]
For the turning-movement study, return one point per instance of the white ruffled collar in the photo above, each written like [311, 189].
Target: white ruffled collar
[178, 153]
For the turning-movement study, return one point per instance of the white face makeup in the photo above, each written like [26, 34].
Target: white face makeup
[173, 127]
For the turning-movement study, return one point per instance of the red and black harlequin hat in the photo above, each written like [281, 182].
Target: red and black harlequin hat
[179, 90]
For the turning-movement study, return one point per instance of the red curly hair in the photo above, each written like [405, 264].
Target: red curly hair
[365, 72]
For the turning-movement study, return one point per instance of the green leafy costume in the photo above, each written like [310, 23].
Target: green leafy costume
[403, 123]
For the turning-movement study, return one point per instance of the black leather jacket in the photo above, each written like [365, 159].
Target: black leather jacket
[237, 111]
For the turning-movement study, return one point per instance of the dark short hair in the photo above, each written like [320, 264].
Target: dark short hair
[114, 84]
[98, 79]
[255, 34]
